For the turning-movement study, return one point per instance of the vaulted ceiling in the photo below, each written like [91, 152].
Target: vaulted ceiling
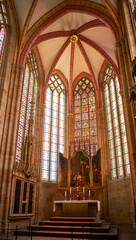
[96, 40]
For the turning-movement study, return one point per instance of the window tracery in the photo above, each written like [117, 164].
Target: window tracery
[3, 26]
[27, 103]
[85, 116]
[54, 128]
[116, 126]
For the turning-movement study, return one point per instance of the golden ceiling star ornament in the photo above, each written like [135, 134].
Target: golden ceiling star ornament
[74, 38]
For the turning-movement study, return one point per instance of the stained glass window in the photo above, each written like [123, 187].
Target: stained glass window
[116, 126]
[3, 26]
[85, 113]
[27, 103]
[54, 128]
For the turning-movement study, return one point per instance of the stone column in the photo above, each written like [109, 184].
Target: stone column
[38, 153]
[105, 163]
[8, 146]
[71, 131]
[128, 111]
[130, 33]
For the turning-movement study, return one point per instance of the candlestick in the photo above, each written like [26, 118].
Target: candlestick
[70, 193]
[89, 194]
[83, 193]
[65, 195]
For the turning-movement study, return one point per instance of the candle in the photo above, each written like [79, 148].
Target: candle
[65, 193]
[84, 190]
[70, 190]
[89, 194]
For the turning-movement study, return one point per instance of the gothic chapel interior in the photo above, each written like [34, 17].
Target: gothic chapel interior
[67, 107]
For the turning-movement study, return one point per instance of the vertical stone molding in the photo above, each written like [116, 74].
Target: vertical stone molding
[9, 138]
[130, 33]
[128, 112]
[39, 128]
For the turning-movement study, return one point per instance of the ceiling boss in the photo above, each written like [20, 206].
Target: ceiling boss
[74, 38]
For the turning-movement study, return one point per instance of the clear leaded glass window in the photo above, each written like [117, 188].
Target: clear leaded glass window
[85, 114]
[27, 103]
[116, 126]
[54, 128]
[3, 25]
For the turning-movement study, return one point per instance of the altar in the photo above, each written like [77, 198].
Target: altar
[77, 208]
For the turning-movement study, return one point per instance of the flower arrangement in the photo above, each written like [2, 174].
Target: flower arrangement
[76, 196]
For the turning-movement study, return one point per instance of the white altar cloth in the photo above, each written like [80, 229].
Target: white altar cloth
[76, 201]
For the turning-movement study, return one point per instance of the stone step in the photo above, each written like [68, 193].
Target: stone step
[70, 223]
[110, 235]
[105, 228]
[73, 219]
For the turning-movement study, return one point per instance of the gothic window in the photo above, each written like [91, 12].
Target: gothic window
[85, 114]
[3, 26]
[133, 5]
[54, 128]
[116, 126]
[27, 103]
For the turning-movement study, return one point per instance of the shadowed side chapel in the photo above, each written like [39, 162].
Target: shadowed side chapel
[67, 112]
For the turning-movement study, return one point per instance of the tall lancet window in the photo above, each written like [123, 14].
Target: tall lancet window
[27, 104]
[116, 126]
[54, 128]
[133, 5]
[3, 26]
[85, 115]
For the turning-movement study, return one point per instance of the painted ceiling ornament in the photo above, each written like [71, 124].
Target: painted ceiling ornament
[74, 38]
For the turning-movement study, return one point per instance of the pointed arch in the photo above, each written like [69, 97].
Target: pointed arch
[88, 8]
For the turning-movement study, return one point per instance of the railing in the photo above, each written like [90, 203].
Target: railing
[10, 231]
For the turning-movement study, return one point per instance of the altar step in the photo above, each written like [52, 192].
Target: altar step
[71, 221]
[54, 228]
[71, 228]
[79, 219]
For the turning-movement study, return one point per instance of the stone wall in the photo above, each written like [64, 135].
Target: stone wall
[48, 193]
[121, 204]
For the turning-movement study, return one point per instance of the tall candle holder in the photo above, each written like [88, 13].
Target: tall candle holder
[89, 194]
[83, 193]
[70, 193]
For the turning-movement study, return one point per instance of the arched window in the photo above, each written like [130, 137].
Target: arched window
[133, 5]
[85, 115]
[27, 103]
[116, 126]
[54, 128]
[3, 24]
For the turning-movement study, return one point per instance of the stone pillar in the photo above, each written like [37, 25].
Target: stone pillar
[128, 111]
[105, 163]
[8, 146]
[130, 33]
[38, 153]
[71, 132]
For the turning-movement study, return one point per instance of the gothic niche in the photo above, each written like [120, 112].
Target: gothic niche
[80, 170]
[96, 166]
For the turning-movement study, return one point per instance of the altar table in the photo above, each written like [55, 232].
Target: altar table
[77, 208]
